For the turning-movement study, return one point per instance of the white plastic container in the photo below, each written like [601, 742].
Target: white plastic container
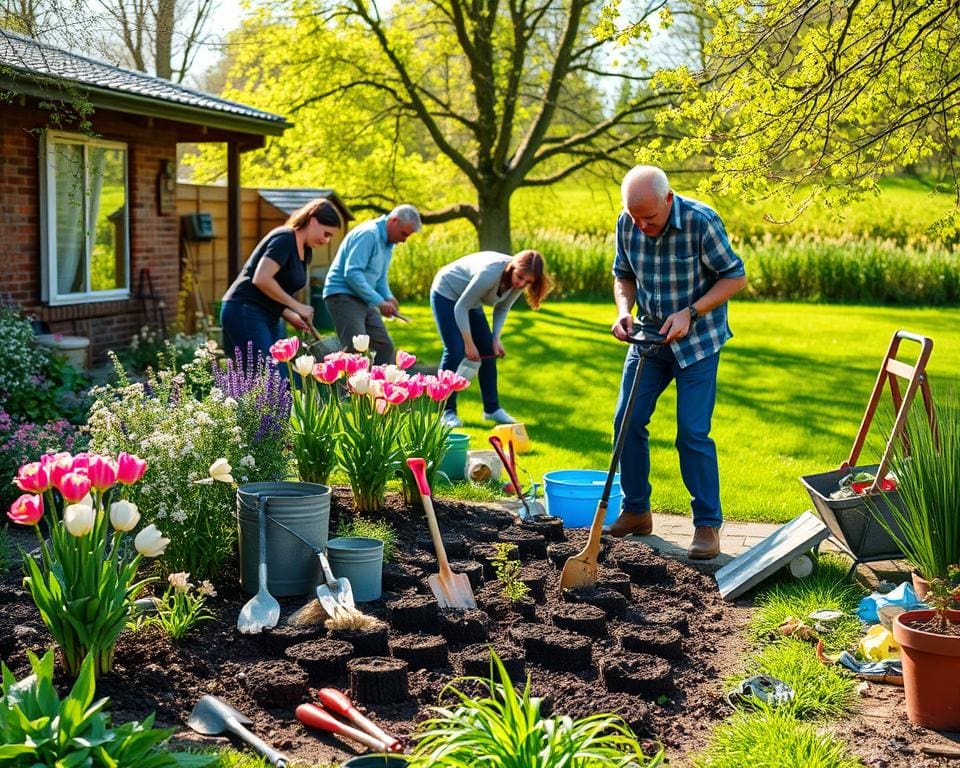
[74, 348]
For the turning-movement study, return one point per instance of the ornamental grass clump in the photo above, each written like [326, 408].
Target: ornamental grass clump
[507, 728]
[84, 581]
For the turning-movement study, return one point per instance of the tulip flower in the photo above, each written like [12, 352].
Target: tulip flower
[354, 364]
[393, 373]
[59, 466]
[124, 515]
[130, 468]
[361, 342]
[377, 373]
[285, 349]
[326, 373]
[220, 470]
[150, 542]
[394, 393]
[73, 486]
[360, 383]
[438, 391]
[102, 472]
[405, 359]
[304, 364]
[49, 458]
[33, 477]
[180, 581]
[415, 387]
[458, 383]
[26, 510]
[80, 462]
[79, 519]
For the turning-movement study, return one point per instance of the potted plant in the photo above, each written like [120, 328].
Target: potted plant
[930, 643]
[927, 467]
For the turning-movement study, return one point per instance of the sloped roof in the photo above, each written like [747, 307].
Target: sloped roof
[31, 67]
[291, 199]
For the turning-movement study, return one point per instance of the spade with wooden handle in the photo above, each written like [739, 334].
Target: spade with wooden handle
[317, 717]
[338, 703]
[452, 590]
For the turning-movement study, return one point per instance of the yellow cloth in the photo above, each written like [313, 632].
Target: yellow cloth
[878, 645]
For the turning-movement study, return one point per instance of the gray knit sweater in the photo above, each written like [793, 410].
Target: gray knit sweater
[474, 280]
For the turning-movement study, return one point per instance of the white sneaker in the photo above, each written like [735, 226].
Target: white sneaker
[500, 416]
[450, 419]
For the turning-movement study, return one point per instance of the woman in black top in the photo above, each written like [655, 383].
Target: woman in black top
[262, 297]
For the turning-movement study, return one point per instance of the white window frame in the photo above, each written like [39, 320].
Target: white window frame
[48, 220]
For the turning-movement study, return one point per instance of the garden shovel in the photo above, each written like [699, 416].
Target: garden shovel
[452, 590]
[335, 595]
[581, 569]
[211, 717]
[510, 465]
[262, 611]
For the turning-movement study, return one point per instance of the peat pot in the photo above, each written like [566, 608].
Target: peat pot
[359, 560]
[292, 568]
[931, 669]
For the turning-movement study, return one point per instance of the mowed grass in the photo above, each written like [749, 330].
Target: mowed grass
[794, 383]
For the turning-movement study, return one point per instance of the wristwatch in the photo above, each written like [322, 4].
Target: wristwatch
[694, 315]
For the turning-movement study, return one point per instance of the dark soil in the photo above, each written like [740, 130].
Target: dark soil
[672, 697]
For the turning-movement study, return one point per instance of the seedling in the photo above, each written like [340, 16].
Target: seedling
[508, 573]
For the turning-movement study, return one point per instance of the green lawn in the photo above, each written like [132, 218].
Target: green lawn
[794, 383]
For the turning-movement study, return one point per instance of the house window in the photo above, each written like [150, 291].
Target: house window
[86, 242]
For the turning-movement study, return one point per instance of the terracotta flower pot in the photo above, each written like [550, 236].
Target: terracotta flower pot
[931, 669]
[920, 585]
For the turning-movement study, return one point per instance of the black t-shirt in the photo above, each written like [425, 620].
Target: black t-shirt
[280, 245]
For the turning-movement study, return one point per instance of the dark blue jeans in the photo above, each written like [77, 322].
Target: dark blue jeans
[243, 322]
[453, 350]
[696, 396]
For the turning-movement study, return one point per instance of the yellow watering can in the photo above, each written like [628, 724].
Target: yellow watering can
[517, 433]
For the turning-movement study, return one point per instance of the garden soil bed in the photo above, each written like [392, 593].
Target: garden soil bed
[657, 657]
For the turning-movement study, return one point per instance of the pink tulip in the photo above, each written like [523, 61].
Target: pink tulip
[355, 363]
[73, 487]
[58, 467]
[438, 391]
[130, 468]
[395, 393]
[33, 477]
[326, 373]
[102, 472]
[415, 387]
[80, 463]
[405, 359]
[378, 373]
[285, 349]
[458, 383]
[27, 510]
[337, 361]
[49, 458]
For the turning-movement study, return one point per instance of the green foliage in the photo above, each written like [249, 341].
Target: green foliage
[37, 728]
[944, 595]
[928, 486]
[423, 435]
[6, 550]
[508, 573]
[148, 348]
[827, 588]
[181, 606]
[507, 728]
[820, 690]
[772, 737]
[367, 528]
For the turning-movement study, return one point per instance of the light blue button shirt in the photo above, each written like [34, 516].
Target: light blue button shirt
[361, 264]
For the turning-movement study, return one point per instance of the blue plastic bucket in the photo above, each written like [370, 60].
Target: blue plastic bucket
[573, 494]
[454, 461]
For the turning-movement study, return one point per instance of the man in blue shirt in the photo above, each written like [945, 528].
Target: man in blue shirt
[356, 292]
[675, 264]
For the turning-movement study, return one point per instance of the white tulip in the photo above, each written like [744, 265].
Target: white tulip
[392, 373]
[150, 542]
[376, 388]
[360, 382]
[124, 515]
[220, 470]
[79, 519]
[304, 364]
[361, 343]
[87, 501]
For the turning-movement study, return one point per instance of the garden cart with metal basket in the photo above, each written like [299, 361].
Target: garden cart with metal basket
[852, 520]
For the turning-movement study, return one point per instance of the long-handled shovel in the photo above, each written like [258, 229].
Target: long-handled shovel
[262, 611]
[211, 717]
[510, 465]
[452, 590]
[581, 569]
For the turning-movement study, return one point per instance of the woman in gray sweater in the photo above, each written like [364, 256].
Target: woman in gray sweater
[457, 296]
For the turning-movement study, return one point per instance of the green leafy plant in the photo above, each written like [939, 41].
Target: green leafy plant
[928, 486]
[370, 529]
[509, 730]
[508, 573]
[85, 580]
[181, 606]
[944, 595]
[37, 728]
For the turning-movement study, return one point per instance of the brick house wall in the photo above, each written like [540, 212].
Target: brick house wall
[154, 236]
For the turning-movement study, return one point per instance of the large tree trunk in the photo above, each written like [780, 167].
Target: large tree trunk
[165, 21]
[493, 228]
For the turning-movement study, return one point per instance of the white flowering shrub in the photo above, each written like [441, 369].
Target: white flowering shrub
[21, 359]
[180, 424]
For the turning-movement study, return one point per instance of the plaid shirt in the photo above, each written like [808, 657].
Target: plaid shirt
[675, 269]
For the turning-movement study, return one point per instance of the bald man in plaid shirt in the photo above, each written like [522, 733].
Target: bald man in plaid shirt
[674, 264]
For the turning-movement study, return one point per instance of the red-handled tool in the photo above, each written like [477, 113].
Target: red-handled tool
[316, 717]
[339, 704]
[508, 463]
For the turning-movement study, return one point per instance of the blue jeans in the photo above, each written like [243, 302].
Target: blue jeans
[243, 323]
[453, 349]
[696, 396]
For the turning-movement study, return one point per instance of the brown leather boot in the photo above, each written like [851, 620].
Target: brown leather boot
[636, 523]
[705, 544]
